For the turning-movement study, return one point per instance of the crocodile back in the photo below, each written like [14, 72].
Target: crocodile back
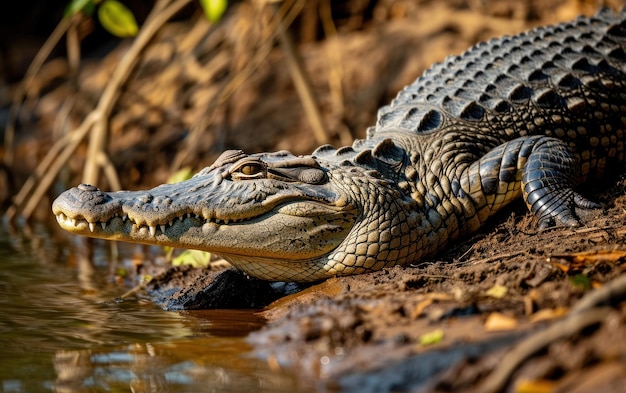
[566, 81]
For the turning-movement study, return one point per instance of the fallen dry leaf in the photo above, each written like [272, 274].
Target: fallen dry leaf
[497, 321]
[535, 386]
[579, 260]
[429, 298]
[548, 313]
[416, 311]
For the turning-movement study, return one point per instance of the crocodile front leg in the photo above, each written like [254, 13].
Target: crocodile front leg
[543, 170]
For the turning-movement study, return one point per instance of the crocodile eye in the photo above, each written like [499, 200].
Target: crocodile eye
[251, 169]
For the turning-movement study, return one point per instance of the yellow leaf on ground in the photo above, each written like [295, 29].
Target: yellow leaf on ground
[497, 321]
[497, 291]
[430, 338]
[195, 258]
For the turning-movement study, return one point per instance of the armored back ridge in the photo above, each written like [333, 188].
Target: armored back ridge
[529, 116]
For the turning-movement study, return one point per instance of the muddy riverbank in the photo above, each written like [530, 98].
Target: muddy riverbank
[446, 324]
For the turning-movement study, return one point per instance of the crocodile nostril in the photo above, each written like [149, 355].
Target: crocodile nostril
[87, 187]
[145, 198]
[162, 200]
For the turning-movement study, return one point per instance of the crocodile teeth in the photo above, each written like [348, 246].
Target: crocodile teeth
[92, 226]
[73, 222]
[162, 228]
[152, 230]
[103, 224]
[124, 217]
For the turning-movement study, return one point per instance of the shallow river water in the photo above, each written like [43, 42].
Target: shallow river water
[64, 329]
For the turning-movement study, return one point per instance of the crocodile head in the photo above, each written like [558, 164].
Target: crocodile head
[273, 215]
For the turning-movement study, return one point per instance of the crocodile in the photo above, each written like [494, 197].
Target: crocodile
[532, 116]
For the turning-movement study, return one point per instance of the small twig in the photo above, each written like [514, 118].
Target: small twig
[109, 171]
[335, 70]
[495, 258]
[33, 69]
[44, 167]
[466, 253]
[50, 166]
[55, 168]
[302, 84]
[288, 11]
[568, 233]
[589, 230]
[334, 54]
[73, 49]
[159, 15]
[134, 290]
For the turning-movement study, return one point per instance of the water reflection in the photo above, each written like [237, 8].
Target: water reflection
[62, 329]
[204, 364]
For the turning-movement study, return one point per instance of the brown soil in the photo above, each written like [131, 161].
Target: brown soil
[353, 329]
[446, 324]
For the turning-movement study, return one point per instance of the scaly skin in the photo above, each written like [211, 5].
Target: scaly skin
[529, 116]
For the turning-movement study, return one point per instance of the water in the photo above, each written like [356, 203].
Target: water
[62, 330]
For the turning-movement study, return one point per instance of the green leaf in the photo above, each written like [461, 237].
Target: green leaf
[214, 9]
[430, 338]
[117, 19]
[75, 6]
[121, 272]
[581, 281]
[180, 175]
[194, 258]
